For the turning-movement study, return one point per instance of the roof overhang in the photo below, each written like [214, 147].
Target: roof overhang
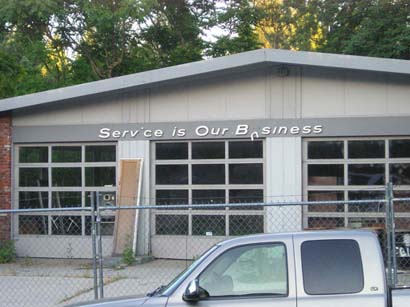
[207, 68]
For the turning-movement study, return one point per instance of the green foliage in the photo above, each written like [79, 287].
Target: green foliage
[7, 251]
[128, 256]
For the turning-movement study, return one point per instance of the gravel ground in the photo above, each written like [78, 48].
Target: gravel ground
[58, 282]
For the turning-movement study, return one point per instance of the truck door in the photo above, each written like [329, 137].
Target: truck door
[250, 275]
[330, 272]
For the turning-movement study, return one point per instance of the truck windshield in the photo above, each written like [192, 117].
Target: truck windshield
[170, 288]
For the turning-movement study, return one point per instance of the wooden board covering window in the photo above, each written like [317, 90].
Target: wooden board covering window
[129, 188]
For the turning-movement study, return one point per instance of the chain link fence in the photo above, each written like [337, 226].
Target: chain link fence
[68, 255]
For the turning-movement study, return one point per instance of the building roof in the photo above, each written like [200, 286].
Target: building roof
[207, 68]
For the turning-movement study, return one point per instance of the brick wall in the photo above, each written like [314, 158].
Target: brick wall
[5, 173]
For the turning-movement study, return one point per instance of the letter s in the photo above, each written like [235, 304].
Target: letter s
[104, 133]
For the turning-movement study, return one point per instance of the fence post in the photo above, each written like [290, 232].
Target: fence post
[388, 237]
[391, 238]
[94, 244]
[100, 254]
[393, 235]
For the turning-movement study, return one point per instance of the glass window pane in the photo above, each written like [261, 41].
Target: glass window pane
[100, 176]
[245, 149]
[208, 196]
[366, 174]
[246, 196]
[402, 206]
[366, 222]
[171, 151]
[326, 150]
[66, 154]
[399, 148]
[66, 225]
[326, 196]
[208, 225]
[263, 266]
[33, 224]
[332, 267]
[400, 173]
[33, 200]
[326, 174]
[171, 224]
[66, 199]
[100, 153]
[107, 225]
[33, 177]
[172, 197]
[171, 174]
[240, 225]
[33, 154]
[325, 222]
[208, 150]
[366, 149]
[208, 174]
[66, 176]
[367, 195]
[248, 173]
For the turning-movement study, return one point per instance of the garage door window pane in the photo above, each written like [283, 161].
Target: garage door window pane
[171, 151]
[326, 196]
[66, 154]
[400, 173]
[33, 200]
[247, 173]
[332, 267]
[366, 174]
[171, 174]
[366, 149]
[99, 176]
[246, 196]
[245, 149]
[326, 174]
[367, 195]
[325, 150]
[208, 150]
[171, 197]
[100, 153]
[66, 199]
[33, 177]
[208, 174]
[399, 148]
[33, 154]
[240, 225]
[33, 225]
[208, 225]
[66, 177]
[66, 225]
[208, 197]
[171, 224]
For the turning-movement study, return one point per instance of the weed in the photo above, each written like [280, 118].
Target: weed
[7, 251]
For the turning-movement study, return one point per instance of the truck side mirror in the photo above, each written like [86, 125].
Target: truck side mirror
[192, 292]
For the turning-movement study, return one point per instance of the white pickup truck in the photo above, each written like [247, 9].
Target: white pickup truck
[304, 269]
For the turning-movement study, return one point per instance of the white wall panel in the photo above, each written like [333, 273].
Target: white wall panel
[283, 183]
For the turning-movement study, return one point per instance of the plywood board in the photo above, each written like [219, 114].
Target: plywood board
[129, 189]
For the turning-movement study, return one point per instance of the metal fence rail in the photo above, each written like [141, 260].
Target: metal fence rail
[67, 255]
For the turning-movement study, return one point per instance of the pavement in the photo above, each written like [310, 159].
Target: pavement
[44, 283]
[51, 282]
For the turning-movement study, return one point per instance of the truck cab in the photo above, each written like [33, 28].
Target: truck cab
[305, 269]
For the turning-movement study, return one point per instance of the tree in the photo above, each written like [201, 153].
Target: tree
[237, 19]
